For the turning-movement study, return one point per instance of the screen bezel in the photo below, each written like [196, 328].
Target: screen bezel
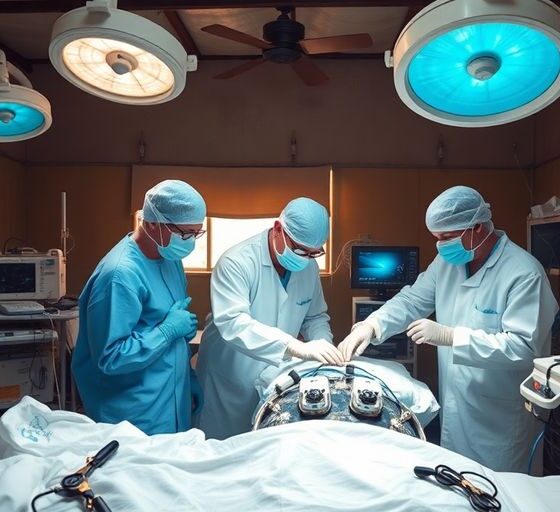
[355, 284]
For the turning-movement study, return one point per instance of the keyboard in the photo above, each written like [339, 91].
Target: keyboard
[21, 336]
[21, 307]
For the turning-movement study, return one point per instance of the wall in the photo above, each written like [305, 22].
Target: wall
[356, 119]
[13, 193]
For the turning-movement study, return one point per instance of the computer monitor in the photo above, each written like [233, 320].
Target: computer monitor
[383, 270]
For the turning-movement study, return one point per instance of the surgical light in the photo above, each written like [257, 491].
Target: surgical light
[477, 63]
[24, 112]
[118, 55]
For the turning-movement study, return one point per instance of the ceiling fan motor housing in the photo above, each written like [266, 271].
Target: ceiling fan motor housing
[284, 34]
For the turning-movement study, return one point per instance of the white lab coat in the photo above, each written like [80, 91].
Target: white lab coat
[253, 319]
[503, 316]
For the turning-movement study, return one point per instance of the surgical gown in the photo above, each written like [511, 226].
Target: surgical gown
[503, 316]
[253, 319]
[123, 366]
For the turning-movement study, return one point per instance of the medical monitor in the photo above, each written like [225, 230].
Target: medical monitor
[383, 270]
[32, 276]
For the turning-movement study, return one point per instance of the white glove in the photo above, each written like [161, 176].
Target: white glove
[357, 341]
[315, 350]
[428, 331]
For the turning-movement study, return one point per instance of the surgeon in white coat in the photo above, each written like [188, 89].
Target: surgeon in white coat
[494, 311]
[265, 293]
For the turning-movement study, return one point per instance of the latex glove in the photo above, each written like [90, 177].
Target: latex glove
[315, 350]
[357, 341]
[428, 331]
[197, 395]
[179, 322]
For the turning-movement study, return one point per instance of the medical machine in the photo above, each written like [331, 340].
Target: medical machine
[335, 393]
[314, 396]
[366, 398]
[33, 276]
[23, 336]
[542, 387]
[383, 270]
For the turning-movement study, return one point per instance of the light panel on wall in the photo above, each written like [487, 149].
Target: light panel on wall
[24, 112]
[118, 55]
[479, 63]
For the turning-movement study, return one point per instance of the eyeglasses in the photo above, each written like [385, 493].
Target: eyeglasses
[480, 500]
[300, 251]
[185, 235]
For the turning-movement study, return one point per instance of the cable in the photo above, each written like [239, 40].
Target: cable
[53, 348]
[13, 238]
[51, 491]
[534, 450]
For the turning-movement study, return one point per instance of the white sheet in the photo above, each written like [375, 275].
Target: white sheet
[411, 392]
[313, 465]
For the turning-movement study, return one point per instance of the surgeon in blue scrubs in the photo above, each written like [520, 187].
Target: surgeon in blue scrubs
[132, 360]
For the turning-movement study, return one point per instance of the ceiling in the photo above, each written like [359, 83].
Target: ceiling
[25, 26]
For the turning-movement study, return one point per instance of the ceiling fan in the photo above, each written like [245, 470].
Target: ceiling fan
[284, 43]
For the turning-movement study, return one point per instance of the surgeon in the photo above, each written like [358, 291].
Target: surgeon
[265, 294]
[131, 360]
[494, 310]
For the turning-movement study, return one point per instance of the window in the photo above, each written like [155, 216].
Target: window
[221, 234]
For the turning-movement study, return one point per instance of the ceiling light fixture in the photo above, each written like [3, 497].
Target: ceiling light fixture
[24, 112]
[118, 55]
[477, 63]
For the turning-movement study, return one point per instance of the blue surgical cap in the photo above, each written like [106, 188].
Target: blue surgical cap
[457, 208]
[175, 202]
[306, 222]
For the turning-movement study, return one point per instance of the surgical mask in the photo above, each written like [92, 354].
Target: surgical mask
[454, 252]
[177, 248]
[289, 259]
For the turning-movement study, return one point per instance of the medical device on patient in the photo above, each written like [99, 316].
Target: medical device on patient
[349, 394]
[76, 485]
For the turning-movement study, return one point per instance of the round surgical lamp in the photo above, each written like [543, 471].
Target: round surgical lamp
[118, 55]
[477, 63]
[24, 112]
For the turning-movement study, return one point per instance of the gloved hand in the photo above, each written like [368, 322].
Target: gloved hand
[179, 322]
[357, 341]
[315, 350]
[197, 395]
[428, 331]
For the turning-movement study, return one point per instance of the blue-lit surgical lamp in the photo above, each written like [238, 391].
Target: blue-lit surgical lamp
[24, 113]
[479, 63]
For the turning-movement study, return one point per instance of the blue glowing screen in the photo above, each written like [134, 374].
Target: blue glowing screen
[383, 266]
[528, 63]
[25, 119]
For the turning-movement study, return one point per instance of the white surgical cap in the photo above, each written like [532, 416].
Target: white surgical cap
[306, 222]
[457, 208]
[174, 202]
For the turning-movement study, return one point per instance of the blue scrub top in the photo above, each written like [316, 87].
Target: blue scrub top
[124, 367]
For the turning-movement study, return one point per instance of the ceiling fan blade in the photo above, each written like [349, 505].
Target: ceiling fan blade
[237, 70]
[235, 35]
[336, 43]
[309, 72]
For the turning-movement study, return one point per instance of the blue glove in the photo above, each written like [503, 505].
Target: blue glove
[197, 394]
[179, 322]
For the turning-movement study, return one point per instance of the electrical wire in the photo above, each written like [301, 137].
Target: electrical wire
[534, 450]
[13, 238]
[51, 491]
[53, 349]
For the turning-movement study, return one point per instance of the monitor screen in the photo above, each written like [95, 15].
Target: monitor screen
[383, 266]
[17, 278]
